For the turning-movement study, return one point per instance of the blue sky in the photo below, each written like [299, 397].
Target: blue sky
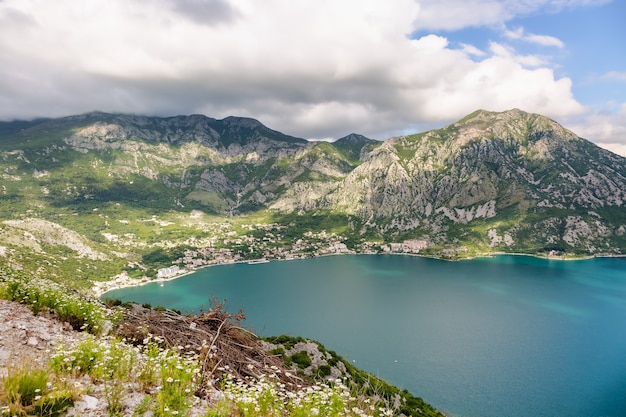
[590, 46]
[320, 69]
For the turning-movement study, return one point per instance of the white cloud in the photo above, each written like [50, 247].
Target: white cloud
[472, 50]
[312, 69]
[459, 14]
[543, 40]
[615, 75]
[505, 51]
[606, 128]
[517, 33]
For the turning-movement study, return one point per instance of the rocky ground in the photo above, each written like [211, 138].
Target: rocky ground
[29, 340]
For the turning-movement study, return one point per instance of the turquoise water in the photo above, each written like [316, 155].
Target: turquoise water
[504, 336]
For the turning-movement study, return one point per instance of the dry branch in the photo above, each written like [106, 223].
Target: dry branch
[221, 345]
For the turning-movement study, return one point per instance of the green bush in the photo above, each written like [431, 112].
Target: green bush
[302, 359]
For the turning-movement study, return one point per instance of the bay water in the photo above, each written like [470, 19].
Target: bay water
[502, 336]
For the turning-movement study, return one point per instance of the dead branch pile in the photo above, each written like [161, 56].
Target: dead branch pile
[222, 346]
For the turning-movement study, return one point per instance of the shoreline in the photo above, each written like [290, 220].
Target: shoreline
[121, 281]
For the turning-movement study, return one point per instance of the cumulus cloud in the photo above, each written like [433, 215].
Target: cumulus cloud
[311, 69]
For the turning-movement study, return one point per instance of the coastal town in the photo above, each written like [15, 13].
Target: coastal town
[271, 245]
[261, 243]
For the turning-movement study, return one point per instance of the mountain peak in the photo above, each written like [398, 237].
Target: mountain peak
[244, 129]
[510, 123]
[515, 115]
[486, 115]
[353, 138]
[244, 122]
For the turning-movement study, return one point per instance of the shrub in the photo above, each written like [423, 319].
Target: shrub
[302, 359]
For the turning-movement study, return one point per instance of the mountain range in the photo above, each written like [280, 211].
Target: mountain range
[492, 182]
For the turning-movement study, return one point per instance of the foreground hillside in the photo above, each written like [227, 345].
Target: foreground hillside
[86, 197]
[68, 355]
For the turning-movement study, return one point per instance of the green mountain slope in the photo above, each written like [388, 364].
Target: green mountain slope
[89, 195]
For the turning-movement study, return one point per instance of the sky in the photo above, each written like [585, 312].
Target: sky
[320, 69]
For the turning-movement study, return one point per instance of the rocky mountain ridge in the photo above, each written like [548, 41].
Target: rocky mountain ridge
[509, 181]
[482, 165]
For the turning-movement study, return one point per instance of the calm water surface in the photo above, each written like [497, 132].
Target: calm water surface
[504, 336]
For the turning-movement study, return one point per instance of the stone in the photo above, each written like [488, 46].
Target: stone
[86, 402]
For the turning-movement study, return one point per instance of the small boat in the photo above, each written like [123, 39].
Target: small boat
[258, 261]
